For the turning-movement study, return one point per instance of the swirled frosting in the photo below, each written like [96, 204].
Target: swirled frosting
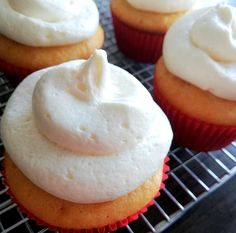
[161, 6]
[85, 131]
[48, 22]
[201, 49]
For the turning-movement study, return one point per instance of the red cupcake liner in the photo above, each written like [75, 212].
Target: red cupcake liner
[14, 74]
[193, 133]
[104, 229]
[136, 44]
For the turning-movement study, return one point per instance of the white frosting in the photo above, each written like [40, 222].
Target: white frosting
[48, 22]
[122, 136]
[89, 91]
[200, 48]
[166, 6]
[203, 3]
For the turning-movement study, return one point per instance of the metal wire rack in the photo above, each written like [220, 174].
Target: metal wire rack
[192, 176]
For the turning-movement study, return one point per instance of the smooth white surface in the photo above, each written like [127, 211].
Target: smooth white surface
[207, 3]
[48, 22]
[200, 48]
[97, 115]
[127, 118]
[162, 6]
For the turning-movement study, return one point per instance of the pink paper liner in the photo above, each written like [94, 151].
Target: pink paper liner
[105, 229]
[136, 44]
[193, 133]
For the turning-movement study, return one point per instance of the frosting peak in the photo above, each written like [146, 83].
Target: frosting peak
[93, 78]
[97, 107]
[215, 33]
[47, 10]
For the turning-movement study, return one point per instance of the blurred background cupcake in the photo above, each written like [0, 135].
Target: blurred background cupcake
[140, 25]
[195, 79]
[39, 33]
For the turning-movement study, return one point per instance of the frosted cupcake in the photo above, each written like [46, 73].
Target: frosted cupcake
[195, 80]
[90, 148]
[140, 25]
[39, 33]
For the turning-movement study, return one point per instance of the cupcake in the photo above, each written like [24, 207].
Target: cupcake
[140, 25]
[35, 34]
[85, 146]
[194, 81]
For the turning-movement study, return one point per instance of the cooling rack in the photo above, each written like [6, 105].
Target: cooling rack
[192, 176]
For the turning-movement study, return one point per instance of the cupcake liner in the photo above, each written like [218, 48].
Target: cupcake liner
[136, 44]
[14, 74]
[193, 133]
[104, 229]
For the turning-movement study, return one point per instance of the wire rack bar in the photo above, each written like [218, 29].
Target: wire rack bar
[15, 225]
[173, 199]
[8, 208]
[183, 186]
[5, 204]
[190, 172]
[129, 229]
[209, 171]
[147, 223]
[229, 155]
[219, 162]
[164, 214]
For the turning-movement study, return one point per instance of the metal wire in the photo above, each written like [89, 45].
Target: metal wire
[193, 174]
